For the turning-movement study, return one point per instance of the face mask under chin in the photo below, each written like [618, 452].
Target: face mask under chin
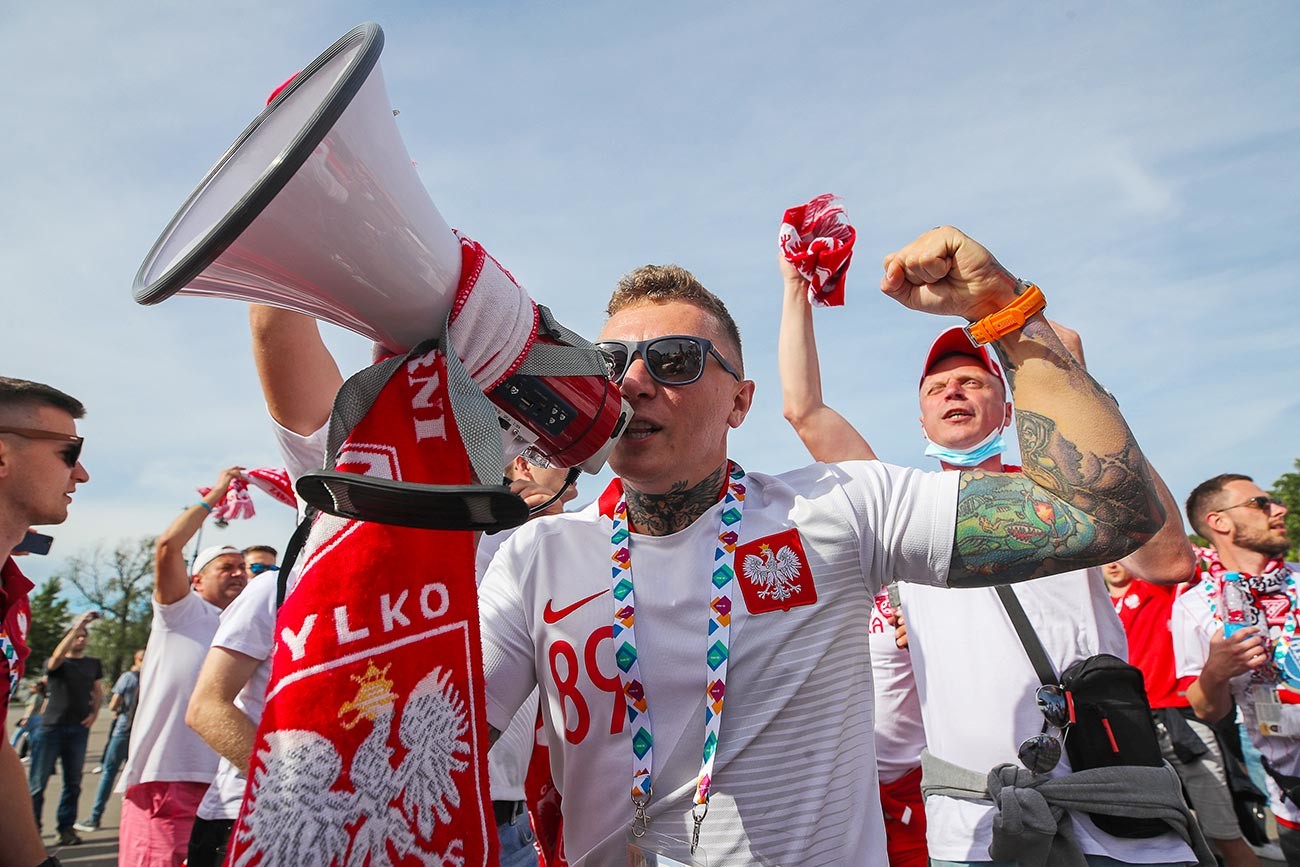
[992, 445]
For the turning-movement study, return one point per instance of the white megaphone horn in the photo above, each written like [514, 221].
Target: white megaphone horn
[317, 208]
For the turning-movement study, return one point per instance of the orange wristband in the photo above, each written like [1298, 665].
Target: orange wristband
[1008, 319]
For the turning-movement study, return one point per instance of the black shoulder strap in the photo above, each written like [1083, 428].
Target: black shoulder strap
[1029, 638]
[296, 541]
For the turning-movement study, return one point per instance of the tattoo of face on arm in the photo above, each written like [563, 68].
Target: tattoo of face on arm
[1069, 509]
[662, 514]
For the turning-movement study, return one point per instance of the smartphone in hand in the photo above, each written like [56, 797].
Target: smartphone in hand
[34, 543]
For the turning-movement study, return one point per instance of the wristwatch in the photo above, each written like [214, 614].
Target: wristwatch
[1029, 300]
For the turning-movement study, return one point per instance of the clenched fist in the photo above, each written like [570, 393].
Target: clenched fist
[947, 273]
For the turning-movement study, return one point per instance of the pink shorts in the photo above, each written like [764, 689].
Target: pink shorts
[156, 823]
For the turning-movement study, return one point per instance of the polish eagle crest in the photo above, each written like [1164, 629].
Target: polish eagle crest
[774, 574]
[297, 785]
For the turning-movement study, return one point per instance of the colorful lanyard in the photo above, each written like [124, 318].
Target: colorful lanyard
[638, 703]
[10, 654]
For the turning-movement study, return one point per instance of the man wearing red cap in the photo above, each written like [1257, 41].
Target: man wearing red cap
[968, 662]
[39, 471]
[169, 766]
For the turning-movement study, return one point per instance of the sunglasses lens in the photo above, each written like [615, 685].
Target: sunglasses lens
[259, 568]
[675, 360]
[615, 360]
[1053, 705]
[1040, 753]
[72, 454]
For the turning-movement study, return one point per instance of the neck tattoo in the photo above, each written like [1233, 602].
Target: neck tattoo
[662, 514]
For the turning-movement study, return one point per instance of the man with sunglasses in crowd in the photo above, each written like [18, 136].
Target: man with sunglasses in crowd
[1246, 651]
[690, 580]
[169, 767]
[967, 659]
[260, 559]
[40, 469]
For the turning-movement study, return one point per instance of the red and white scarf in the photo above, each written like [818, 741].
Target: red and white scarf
[238, 504]
[373, 745]
[818, 240]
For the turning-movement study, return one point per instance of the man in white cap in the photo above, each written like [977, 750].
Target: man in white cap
[170, 767]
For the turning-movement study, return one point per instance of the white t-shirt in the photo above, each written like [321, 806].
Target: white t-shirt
[794, 778]
[977, 696]
[1192, 625]
[509, 756]
[247, 627]
[900, 736]
[300, 454]
[163, 748]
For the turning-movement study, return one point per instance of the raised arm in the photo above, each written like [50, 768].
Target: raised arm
[64, 647]
[1086, 495]
[171, 578]
[1168, 557]
[299, 376]
[826, 434]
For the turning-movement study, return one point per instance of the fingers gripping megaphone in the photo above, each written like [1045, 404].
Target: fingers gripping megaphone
[317, 208]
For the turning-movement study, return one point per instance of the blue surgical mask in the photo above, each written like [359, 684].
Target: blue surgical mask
[991, 445]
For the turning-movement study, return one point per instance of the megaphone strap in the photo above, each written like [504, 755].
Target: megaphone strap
[573, 355]
[547, 359]
[480, 431]
[476, 420]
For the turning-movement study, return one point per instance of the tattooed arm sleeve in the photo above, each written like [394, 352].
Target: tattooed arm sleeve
[1086, 495]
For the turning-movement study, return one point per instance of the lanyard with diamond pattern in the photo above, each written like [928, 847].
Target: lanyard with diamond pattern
[638, 705]
[10, 655]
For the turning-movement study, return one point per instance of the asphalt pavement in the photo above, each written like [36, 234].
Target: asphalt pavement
[99, 849]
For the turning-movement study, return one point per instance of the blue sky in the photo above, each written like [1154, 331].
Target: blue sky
[1140, 162]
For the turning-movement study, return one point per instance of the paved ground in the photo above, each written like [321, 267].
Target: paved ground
[100, 848]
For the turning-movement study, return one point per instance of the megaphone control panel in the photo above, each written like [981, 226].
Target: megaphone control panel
[536, 403]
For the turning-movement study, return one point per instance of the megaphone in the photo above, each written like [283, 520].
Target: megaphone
[317, 208]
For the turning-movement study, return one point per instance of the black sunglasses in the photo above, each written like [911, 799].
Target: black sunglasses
[70, 455]
[675, 359]
[1042, 752]
[1263, 503]
[259, 568]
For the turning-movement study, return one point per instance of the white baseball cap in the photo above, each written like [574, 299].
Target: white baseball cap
[212, 552]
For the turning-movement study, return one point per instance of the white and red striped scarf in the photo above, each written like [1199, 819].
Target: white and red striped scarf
[238, 503]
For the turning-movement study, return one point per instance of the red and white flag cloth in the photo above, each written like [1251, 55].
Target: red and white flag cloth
[372, 749]
[544, 802]
[237, 502]
[817, 239]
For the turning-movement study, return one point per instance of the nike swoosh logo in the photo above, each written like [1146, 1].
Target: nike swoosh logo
[550, 615]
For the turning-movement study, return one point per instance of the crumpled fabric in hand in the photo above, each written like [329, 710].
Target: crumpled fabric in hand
[817, 239]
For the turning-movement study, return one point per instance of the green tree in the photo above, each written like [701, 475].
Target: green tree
[1287, 489]
[49, 623]
[119, 584]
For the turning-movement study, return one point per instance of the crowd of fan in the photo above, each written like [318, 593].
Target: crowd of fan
[962, 723]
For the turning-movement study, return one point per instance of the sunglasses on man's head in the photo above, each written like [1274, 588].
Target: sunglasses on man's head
[1263, 503]
[676, 359]
[259, 568]
[70, 455]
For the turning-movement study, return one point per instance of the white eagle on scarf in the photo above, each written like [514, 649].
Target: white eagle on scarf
[297, 816]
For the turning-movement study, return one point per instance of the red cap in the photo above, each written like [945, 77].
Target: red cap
[954, 341]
